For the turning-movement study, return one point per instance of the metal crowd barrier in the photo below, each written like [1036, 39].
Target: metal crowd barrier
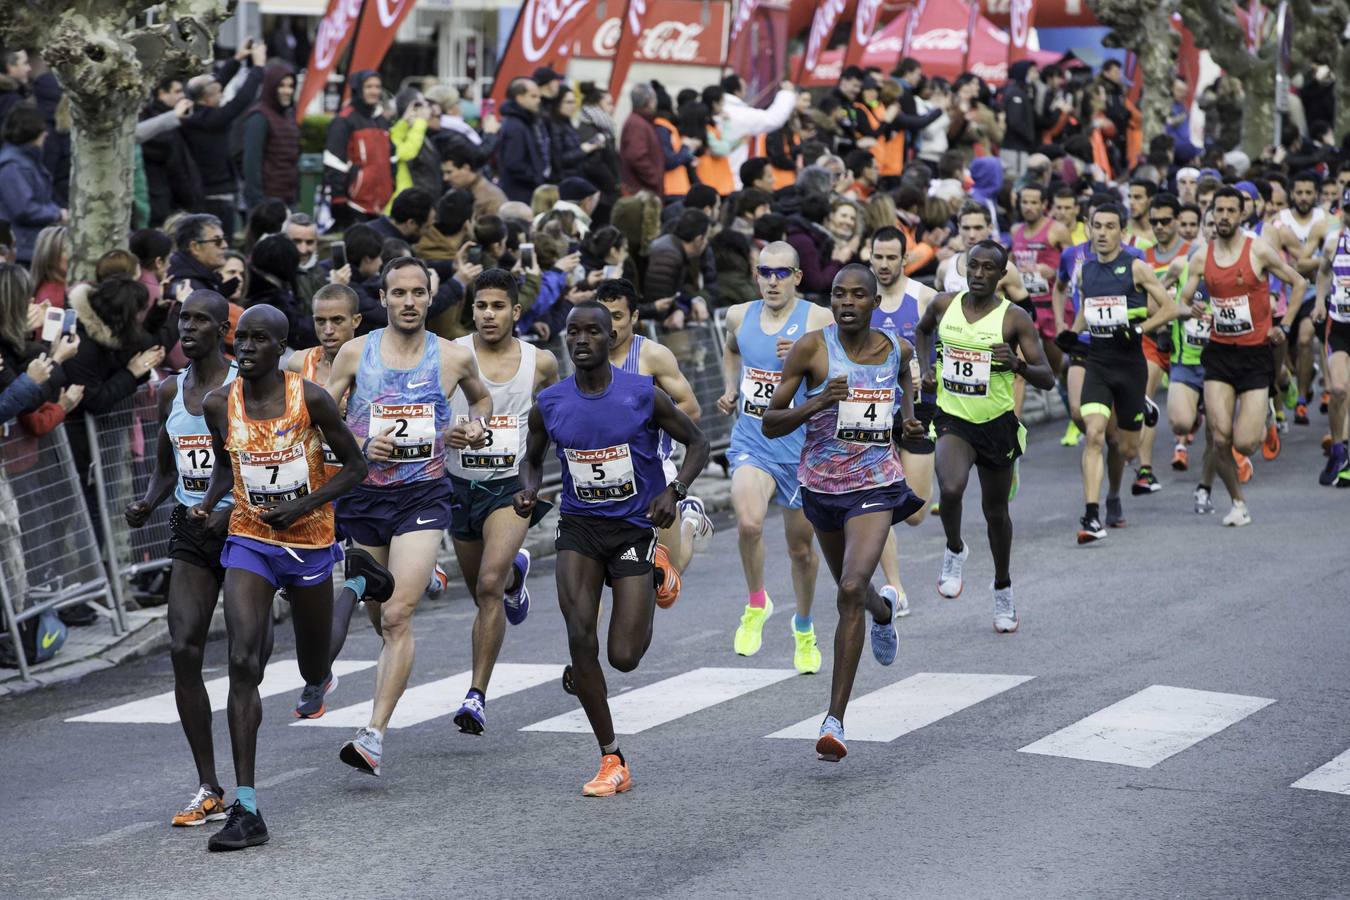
[49, 558]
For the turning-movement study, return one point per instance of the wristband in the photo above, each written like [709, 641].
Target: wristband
[365, 447]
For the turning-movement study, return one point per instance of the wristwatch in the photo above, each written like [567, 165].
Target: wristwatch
[680, 488]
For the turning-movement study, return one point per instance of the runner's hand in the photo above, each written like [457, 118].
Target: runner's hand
[1003, 354]
[726, 404]
[218, 523]
[836, 389]
[283, 515]
[913, 430]
[783, 347]
[928, 382]
[198, 514]
[1319, 312]
[662, 509]
[1276, 337]
[381, 446]
[470, 434]
[524, 501]
[137, 513]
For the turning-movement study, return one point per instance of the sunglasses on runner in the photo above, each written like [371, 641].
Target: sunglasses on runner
[782, 273]
[1163, 221]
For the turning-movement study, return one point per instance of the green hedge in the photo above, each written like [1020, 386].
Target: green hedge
[314, 133]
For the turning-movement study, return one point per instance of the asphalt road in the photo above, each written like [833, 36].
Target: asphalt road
[940, 802]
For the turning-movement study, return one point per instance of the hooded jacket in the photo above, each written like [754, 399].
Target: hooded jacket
[171, 174]
[524, 160]
[271, 152]
[1019, 108]
[207, 133]
[815, 249]
[12, 93]
[25, 196]
[358, 167]
[987, 173]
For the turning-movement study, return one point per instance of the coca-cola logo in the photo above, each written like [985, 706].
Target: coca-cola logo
[333, 31]
[996, 72]
[822, 26]
[1019, 22]
[744, 10]
[865, 20]
[940, 39]
[389, 11]
[670, 42]
[543, 21]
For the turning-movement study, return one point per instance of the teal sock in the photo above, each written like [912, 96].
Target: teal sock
[802, 625]
[248, 797]
[357, 586]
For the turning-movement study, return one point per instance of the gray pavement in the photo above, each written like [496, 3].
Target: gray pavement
[950, 809]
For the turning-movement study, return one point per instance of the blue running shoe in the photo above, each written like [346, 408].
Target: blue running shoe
[830, 745]
[1336, 460]
[885, 638]
[517, 602]
[470, 718]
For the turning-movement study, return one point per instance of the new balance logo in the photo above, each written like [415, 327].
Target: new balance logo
[629, 555]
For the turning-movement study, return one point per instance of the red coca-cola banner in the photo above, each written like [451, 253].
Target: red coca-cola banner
[865, 19]
[335, 31]
[759, 54]
[740, 30]
[682, 32]
[379, 24]
[542, 36]
[1021, 19]
[1049, 13]
[822, 27]
[630, 30]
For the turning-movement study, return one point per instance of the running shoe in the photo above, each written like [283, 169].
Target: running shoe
[363, 752]
[949, 582]
[1145, 482]
[1090, 529]
[1343, 479]
[1115, 514]
[1291, 397]
[1151, 413]
[667, 579]
[885, 636]
[903, 609]
[379, 581]
[1016, 480]
[806, 656]
[1270, 447]
[750, 633]
[569, 684]
[613, 778]
[1238, 515]
[439, 581]
[206, 806]
[470, 718]
[1005, 614]
[1204, 504]
[1072, 436]
[311, 702]
[1325, 404]
[1336, 460]
[1301, 413]
[830, 745]
[242, 829]
[517, 602]
[693, 512]
[1181, 458]
[1244, 464]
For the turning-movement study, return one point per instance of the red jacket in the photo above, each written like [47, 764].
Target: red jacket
[642, 162]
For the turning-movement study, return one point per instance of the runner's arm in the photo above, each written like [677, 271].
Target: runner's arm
[781, 418]
[1193, 279]
[666, 371]
[531, 464]
[166, 470]
[462, 365]
[1323, 288]
[905, 384]
[343, 373]
[682, 428]
[731, 361]
[222, 473]
[1034, 368]
[924, 332]
[545, 370]
[1162, 308]
[1011, 284]
[1274, 264]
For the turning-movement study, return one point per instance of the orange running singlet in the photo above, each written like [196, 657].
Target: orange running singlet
[276, 460]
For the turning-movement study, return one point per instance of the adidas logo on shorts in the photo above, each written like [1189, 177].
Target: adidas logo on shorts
[629, 555]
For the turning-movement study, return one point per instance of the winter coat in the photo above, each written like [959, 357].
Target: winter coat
[1019, 111]
[601, 168]
[26, 197]
[524, 154]
[642, 162]
[814, 247]
[670, 272]
[358, 168]
[271, 144]
[568, 157]
[12, 93]
[207, 133]
[171, 173]
[419, 163]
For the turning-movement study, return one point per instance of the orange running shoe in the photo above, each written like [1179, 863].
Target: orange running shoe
[613, 778]
[1244, 467]
[206, 806]
[1301, 413]
[667, 579]
[1270, 447]
[1326, 402]
[1180, 458]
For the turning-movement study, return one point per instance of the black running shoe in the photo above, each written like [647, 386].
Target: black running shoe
[569, 686]
[1090, 530]
[242, 829]
[379, 582]
[1115, 515]
[1150, 413]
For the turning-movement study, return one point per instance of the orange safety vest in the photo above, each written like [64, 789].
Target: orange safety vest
[715, 171]
[676, 179]
[759, 146]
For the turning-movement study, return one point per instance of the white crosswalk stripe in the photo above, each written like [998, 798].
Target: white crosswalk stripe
[908, 705]
[440, 698]
[280, 677]
[670, 699]
[1334, 777]
[1148, 727]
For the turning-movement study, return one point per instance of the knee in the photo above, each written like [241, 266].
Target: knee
[1222, 438]
[185, 652]
[852, 591]
[1094, 436]
[996, 513]
[1339, 389]
[750, 529]
[1248, 448]
[245, 666]
[491, 587]
[951, 492]
[802, 555]
[625, 659]
[395, 620]
[582, 642]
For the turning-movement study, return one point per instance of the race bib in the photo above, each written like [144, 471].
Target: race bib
[1232, 315]
[1032, 280]
[757, 387]
[866, 416]
[274, 476]
[1340, 294]
[330, 458]
[414, 425]
[1197, 330]
[1105, 314]
[195, 459]
[502, 448]
[602, 476]
[965, 372]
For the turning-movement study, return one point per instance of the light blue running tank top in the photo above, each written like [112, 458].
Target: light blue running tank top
[664, 445]
[408, 400]
[192, 453]
[761, 371]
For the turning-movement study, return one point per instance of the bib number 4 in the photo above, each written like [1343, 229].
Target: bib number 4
[866, 416]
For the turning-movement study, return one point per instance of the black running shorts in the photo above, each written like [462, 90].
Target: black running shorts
[626, 549]
[1245, 368]
[1116, 383]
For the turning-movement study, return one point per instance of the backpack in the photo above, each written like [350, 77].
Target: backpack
[42, 638]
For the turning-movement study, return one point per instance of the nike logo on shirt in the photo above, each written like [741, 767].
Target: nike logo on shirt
[281, 432]
[882, 377]
[418, 384]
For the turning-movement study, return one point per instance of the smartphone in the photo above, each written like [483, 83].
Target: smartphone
[338, 253]
[475, 255]
[68, 326]
[489, 107]
[52, 321]
[611, 272]
[573, 247]
[527, 256]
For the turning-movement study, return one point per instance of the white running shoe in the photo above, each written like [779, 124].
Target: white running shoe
[693, 512]
[1204, 504]
[900, 601]
[1238, 515]
[949, 583]
[1005, 614]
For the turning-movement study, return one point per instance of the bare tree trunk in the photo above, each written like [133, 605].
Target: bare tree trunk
[1258, 120]
[1144, 28]
[103, 170]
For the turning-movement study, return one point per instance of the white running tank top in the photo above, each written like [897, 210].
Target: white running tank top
[954, 280]
[1301, 231]
[511, 402]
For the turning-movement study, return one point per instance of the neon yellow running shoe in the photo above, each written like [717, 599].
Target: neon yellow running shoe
[807, 655]
[750, 633]
[1071, 436]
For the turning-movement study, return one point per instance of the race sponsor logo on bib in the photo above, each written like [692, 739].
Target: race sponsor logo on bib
[195, 459]
[274, 476]
[866, 416]
[502, 448]
[602, 476]
[330, 458]
[757, 387]
[966, 372]
[1232, 315]
[414, 425]
[1105, 314]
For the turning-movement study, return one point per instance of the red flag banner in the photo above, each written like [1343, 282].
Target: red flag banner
[379, 25]
[633, 21]
[740, 30]
[822, 27]
[1021, 19]
[864, 26]
[971, 24]
[542, 36]
[335, 31]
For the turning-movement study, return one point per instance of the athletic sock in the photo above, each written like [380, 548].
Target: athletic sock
[999, 587]
[758, 598]
[1205, 488]
[800, 624]
[357, 586]
[475, 692]
[613, 748]
[514, 584]
[248, 798]
[1093, 510]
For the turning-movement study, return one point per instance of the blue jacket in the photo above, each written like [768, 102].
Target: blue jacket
[26, 197]
[523, 153]
[22, 395]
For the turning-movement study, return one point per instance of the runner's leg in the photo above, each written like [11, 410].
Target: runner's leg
[1249, 424]
[580, 582]
[1220, 399]
[803, 559]
[1094, 440]
[1155, 374]
[919, 469]
[311, 617]
[630, 622]
[751, 491]
[852, 555]
[192, 601]
[411, 556]
[1338, 384]
[491, 559]
[1304, 358]
[248, 612]
[954, 459]
[994, 487]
